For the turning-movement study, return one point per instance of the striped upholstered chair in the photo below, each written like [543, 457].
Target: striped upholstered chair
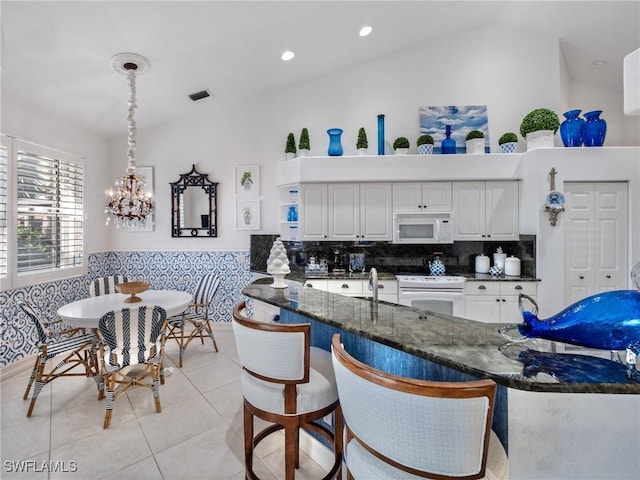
[398, 427]
[73, 347]
[196, 317]
[131, 352]
[106, 285]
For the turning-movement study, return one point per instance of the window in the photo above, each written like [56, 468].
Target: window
[47, 242]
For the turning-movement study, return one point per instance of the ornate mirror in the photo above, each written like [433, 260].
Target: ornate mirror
[194, 206]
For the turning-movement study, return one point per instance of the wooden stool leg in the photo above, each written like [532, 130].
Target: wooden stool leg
[290, 449]
[248, 440]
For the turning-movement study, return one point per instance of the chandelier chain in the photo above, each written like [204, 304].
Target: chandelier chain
[131, 123]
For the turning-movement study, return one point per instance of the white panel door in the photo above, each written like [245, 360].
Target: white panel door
[436, 197]
[375, 211]
[344, 211]
[595, 239]
[469, 210]
[407, 197]
[313, 211]
[502, 211]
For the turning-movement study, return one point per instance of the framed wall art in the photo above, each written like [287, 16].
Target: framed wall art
[248, 215]
[247, 180]
[463, 119]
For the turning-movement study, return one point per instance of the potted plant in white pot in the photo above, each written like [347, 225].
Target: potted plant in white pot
[425, 144]
[401, 145]
[362, 143]
[304, 144]
[474, 141]
[538, 128]
[290, 148]
[508, 142]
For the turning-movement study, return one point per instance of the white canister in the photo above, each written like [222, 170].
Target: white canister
[482, 264]
[498, 260]
[512, 266]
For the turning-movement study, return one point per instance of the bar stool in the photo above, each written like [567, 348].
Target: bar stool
[286, 382]
[400, 427]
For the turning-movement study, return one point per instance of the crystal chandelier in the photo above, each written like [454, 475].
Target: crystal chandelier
[129, 203]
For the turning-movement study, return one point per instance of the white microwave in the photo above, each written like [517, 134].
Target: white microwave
[422, 228]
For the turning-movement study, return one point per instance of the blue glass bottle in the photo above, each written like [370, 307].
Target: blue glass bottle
[335, 142]
[594, 129]
[380, 134]
[571, 129]
[448, 144]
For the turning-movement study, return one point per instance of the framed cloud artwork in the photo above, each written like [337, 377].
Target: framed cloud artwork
[463, 119]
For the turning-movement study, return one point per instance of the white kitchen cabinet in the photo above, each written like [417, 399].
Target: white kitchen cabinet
[312, 217]
[387, 289]
[486, 210]
[422, 197]
[359, 211]
[496, 301]
[595, 239]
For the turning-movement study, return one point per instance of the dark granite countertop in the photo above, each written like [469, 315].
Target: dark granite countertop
[461, 344]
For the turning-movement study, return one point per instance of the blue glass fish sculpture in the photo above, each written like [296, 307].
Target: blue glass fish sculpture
[608, 321]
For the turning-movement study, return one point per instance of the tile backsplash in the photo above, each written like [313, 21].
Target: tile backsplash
[459, 257]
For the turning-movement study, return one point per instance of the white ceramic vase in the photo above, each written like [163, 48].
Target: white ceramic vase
[540, 139]
[475, 146]
[278, 280]
[362, 151]
[290, 155]
[304, 152]
[509, 147]
[402, 151]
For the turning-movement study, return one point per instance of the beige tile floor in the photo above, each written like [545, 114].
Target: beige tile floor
[198, 435]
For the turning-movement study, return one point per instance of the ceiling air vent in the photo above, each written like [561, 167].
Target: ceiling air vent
[199, 95]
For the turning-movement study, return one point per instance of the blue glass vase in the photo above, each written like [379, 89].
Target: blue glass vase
[448, 144]
[335, 142]
[571, 129]
[594, 129]
[607, 320]
[380, 134]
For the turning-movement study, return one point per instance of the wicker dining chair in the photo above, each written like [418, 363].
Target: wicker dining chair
[287, 383]
[73, 348]
[399, 427]
[131, 352]
[196, 316]
[106, 285]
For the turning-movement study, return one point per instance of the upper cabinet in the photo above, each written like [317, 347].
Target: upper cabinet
[340, 211]
[486, 210]
[422, 197]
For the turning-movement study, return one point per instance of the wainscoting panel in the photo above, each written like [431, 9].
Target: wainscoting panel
[164, 270]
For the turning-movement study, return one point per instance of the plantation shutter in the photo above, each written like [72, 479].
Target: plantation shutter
[50, 210]
[4, 220]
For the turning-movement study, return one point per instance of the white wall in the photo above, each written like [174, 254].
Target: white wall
[21, 121]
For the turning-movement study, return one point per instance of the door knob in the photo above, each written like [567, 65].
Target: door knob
[581, 277]
[608, 276]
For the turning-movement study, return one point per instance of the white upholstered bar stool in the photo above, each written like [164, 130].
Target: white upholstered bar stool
[403, 428]
[288, 383]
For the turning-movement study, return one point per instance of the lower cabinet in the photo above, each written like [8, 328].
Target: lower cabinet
[387, 289]
[496, 301]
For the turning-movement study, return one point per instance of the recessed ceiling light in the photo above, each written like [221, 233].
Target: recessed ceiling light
[288, 55]
[599, 63]
[366, 30]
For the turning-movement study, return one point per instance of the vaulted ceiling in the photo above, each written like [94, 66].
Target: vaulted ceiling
[56, 55]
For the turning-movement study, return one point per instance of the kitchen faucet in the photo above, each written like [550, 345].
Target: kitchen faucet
[373, 283]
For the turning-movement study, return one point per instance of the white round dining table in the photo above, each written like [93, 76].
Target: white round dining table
[88, 311]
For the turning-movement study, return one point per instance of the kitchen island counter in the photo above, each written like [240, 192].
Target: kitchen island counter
[473, 348]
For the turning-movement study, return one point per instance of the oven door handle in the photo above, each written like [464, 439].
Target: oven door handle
[414, 291]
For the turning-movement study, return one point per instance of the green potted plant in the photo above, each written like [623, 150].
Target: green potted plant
[474, 142]
[508, 142]
[362, 143]
[401, 145]
[290, 148]
[304, 143]
[425, 144]
[247, 181]
[538, 128]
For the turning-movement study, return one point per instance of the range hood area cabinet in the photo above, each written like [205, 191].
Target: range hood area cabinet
[486, 210]
[411, 197]
[339, 211]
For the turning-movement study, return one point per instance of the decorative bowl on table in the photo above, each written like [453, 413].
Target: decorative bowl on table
[132, 288]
